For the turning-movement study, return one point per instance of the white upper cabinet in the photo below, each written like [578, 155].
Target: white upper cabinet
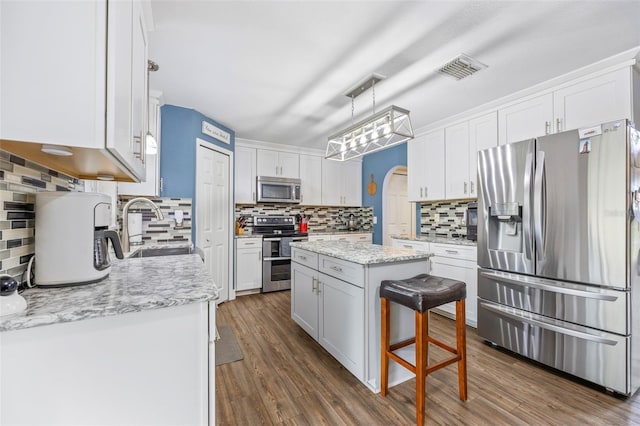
[425, 167]
[526, 119]
[457, 161]
[278, 163]
[311, 177]
[95, 95]
[483, 134]
[594, 101]
[151, 185]
[341, 183]
[245, 175]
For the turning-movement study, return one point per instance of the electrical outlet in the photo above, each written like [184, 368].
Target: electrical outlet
[375, 220]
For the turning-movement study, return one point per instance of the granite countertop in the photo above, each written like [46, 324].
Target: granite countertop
[362, 253]
[133, 285]
[434, 239]
[342, 231]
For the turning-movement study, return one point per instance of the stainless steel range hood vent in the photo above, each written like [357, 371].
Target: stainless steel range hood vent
[461, 67]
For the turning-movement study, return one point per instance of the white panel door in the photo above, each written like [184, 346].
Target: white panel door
[525, 120]
[433, 163]
[331, 185]
[483, 134]
[416, 172]
[289, 164]
[397, 209]
[351, 183]
[213, 198]
[249, 268]
[595, 101]
[304, 298]
[457, 161]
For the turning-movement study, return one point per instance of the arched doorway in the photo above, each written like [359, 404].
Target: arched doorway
[398, 214]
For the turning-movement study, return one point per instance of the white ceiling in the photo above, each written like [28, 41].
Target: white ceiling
[277, 71]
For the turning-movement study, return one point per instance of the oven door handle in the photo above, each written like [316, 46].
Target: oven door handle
[265, 259]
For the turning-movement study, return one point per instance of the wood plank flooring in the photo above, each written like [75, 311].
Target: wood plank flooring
[287, 378]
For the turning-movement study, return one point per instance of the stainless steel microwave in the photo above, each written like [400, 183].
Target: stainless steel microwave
[279, 190]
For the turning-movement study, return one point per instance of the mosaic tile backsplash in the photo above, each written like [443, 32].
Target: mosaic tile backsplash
[321, 219]
[160, 231]
[444, 219]
[20, 179]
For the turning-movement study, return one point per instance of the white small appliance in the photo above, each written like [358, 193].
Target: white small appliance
[10, 301]
[72, 238]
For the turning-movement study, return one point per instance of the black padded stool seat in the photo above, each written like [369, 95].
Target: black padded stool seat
[420, 294]
[423, 291]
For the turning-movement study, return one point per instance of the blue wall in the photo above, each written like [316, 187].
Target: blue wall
[379, 163]
[180, 128]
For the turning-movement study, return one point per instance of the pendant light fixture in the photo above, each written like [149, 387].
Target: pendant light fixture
[151, 145]
[381, 130]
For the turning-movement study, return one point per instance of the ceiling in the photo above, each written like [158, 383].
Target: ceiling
[277, 71]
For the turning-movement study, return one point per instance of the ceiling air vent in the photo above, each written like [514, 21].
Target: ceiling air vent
[461, 67]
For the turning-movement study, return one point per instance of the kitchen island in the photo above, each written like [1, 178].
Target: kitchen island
[335, 299]
[135, 348]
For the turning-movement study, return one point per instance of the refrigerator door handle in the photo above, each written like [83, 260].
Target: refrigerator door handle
[526, 219]
[539, 205]
[547, 287]
[545, 325]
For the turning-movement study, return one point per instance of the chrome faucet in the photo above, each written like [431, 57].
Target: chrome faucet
[124, 237]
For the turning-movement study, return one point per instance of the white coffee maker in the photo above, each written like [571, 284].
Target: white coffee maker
[72, 238]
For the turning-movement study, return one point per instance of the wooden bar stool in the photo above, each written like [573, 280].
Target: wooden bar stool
[422, 293]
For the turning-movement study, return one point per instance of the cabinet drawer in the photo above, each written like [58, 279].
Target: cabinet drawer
[409, 244]
[304, 257]
[352, 273]
[455, 251]
[321, 237]
[248, 242]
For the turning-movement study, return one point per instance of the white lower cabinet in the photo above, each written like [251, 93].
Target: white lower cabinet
[248, 264]
[341, 322]
[457, 263]
[154, 367]
[331, 311]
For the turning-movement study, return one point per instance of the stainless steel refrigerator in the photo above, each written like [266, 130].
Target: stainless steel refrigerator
[559, 252]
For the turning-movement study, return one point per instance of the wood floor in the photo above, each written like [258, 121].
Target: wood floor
[287, 378]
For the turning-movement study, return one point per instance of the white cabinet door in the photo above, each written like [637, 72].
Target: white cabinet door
[331, 184]
[483, 134]
[341, 322]
[289, 165]
[304, 298]
[598, 100]
[434, 165]
[425, 167]
[457, 161]
[248, 264]
[311, 177]
[276, 163]
[526, 119]
[245, 175]
[352, 183]
[151, 185]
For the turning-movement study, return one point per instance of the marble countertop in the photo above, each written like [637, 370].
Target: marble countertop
[362, 253]
[133, 285]
[434, 239]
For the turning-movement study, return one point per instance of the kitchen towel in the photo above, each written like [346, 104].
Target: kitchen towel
[285, 246]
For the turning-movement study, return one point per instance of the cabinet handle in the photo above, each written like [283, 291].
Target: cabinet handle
[472, 187]
[314, 285]
[137, 140]
[302, 257]
[407, 246]
[260, 256]
[547, 127]
[337, 269]
[421, 193]
[452, 251]
[426, 191]
[253, 196]
[465, 188]
[558, 124]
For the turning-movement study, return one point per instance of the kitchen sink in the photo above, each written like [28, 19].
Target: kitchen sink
[166, 251]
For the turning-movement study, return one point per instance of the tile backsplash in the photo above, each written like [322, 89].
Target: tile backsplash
[160, 231]
[20, 179]
[444, 219]
[321, 219]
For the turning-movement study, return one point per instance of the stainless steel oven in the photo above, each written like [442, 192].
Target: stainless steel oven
[277, 233]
